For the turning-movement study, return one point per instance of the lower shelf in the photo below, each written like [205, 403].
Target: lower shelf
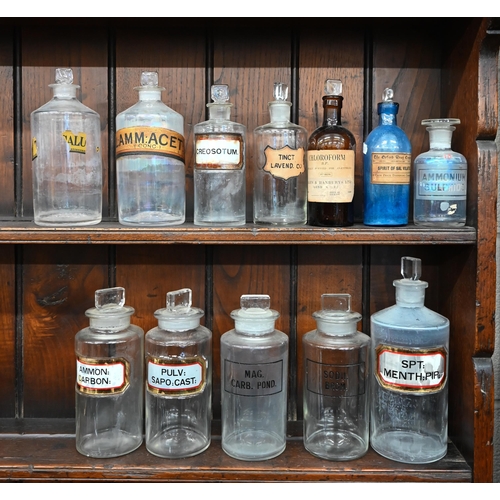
[44, 450]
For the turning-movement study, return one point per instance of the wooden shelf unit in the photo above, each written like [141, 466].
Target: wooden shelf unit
[48, 276]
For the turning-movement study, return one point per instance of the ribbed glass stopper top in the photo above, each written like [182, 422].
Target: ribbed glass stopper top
[333, 87]
[219, 93]
[110, 297]
[64, 76]
[411, 268]
[280, 91]
[149, 79]
[179, 301]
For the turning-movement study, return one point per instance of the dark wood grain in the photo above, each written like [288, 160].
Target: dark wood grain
[58, 287]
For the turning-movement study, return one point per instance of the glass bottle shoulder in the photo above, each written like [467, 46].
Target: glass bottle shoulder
[185, 338]
[236, 338]
[331, 137]
[57, 105]
[415, 318]
[316, 338]
[441, 157]
[152, 114]
[93, 336]
[280, 126]
[219, 126]
[388, 138]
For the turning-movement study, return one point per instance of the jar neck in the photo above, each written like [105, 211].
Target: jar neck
[219, 111]
[332, 106]
[387, 112]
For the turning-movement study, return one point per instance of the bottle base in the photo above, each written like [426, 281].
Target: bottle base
[67, 218]
[108, 443]
[439, 223]
[253, 445]
[219, 223]
[409, 447]
[338, 445]
[151, 219]
[177, 443]
[279, 222]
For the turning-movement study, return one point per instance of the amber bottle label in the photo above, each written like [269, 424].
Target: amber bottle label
[284, 163]
[391, 168]
[262, 379]
[411, 370]
[94, 376]
[330, 176]
[219, 151]
[175, 376]
[336, 381]
[149, 140]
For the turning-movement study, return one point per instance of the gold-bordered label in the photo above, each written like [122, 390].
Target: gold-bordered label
[411, 370]
[391, 168]
[77, 142]
[102, 376]
[284, 163]
[330, 176]
[149, 140]
[219, 151]
[174, 376]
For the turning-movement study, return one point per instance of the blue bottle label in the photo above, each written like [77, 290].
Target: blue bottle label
[391, 168]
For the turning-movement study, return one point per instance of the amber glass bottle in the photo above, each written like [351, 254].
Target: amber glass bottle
[331, 160]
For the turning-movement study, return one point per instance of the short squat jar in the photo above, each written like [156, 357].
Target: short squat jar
[109, 379]
[179, 380]
[254, 368]
[336, 382]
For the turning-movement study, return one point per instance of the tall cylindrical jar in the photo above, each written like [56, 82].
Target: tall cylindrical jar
[179, 380]
[336, 382]
[219, 167]
[254, 370]
[66, 154]
[110, 377]
[280, 179]
[410, 345]
[150, 160]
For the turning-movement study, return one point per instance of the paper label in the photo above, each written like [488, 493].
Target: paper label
[101, 376]
[174, 377]
[391, 168]
[330, 176]
[284, 163]
[77, 142]
[411, 370]
[149, 140]
[219, 151]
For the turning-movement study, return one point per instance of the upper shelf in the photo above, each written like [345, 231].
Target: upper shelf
[115, 233]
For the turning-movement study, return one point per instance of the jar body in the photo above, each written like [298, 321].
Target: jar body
[409, 409]
[387, 164]
[440, 198]
[219, 173]
[336, 395]
[280, 176]
[254, 373]
[178, 392]
[67, 165]
[109, 391]
[150, 165]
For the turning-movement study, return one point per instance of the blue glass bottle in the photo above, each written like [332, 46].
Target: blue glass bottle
[387, 166]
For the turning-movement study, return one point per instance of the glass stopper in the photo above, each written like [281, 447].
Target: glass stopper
[411, 268]
[280, 91]
[255, 301]
[441, 122]
[333, 87]
[179, 300]
[336, 302]
[110, 297]
[220, 93]
[387, 95]
[149, 79]
[64, 75]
